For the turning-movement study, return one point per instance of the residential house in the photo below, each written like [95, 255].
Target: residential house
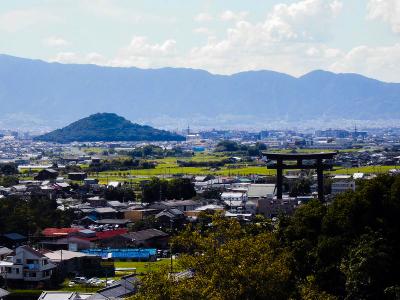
[343, 186]
[182, 205]
[140, 214]
[171, 217]
[71, 263]
[46, 174]
[148, 238]
[273, 207]
[27, 265]
[77, 176]
[12, 239]
[255, 191]
[4, 252]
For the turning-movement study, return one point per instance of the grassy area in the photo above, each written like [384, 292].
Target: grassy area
[366, 169]
[24, 293]
[143, 267]
[145, 174]
[96, 150]
[169, 167]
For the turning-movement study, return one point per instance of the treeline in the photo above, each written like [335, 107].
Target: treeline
[156, 152]
[30, 216]
[349, 249]
[204, 164]
[121, 165]
[122, 194]
[157, 189]
[232, 146]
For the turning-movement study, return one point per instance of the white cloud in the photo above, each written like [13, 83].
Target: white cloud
[203, 30]
[140, 46]
[203, 17]
[67, 58]
[287, 40]
[376, 62]
[387, 11]
[229, 15]
[16, 20]
[140, 53]
[299, 20]
[336, 7]
[77, 58]
[95, 58]
[54, 41]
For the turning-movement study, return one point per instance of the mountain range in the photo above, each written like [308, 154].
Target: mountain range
[107, 127]
[36, 93]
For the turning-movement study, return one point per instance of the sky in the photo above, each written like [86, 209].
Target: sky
[222, 37]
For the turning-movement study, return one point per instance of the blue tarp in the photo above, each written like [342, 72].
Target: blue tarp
[123, 253]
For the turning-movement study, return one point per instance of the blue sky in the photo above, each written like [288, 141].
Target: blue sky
[224, 37]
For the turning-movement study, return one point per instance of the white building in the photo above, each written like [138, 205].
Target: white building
[343, 186]
[234, 196]
[27, 264]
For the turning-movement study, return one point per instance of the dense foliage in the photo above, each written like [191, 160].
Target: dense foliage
[349, 249]
[156, 152]
[157, 189]
[121, 165]
[7, 181]
[30, 216]
[8, 169]
[232, 146]
[107, 127]
[123, 194]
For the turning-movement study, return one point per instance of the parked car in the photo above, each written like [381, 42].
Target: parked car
[79, 280]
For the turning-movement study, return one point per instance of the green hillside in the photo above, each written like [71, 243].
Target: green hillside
[107, 127]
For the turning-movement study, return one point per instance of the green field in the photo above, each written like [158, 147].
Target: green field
[143, 267]
[367, 169]
[168, 167]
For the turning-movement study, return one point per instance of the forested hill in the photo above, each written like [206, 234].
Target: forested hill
[107, 127]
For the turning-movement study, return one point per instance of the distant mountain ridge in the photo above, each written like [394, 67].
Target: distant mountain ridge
[59, 93]
[107, 127]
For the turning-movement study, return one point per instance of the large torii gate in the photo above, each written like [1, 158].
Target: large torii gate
[314, 161]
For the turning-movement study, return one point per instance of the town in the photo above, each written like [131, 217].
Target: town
[98, 216]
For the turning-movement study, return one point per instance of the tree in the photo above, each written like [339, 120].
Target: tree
[123, 194]
[348, 249]
[300, 188]
[8, 181]
[212, 193]
[157, 189]
[227, 264]
[8, 169]
[369, 268]
[227, 146]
